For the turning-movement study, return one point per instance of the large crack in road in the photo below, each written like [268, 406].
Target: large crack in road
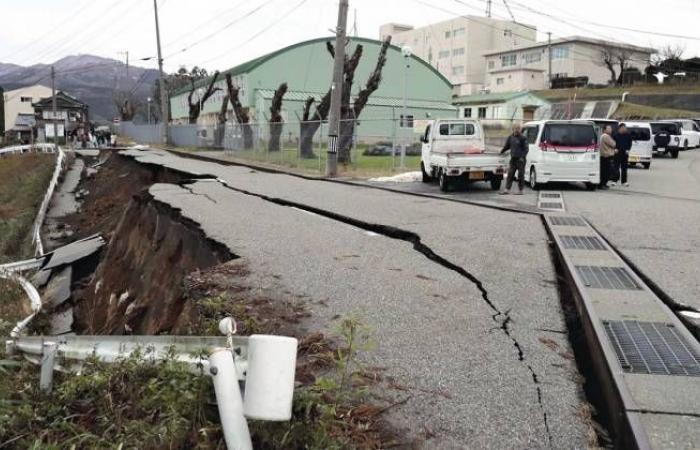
[500, 317]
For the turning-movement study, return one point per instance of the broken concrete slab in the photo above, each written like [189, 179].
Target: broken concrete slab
[58, 291]
[73, 252]
[62, 322]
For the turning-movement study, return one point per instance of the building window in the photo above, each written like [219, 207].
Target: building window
[497, 112]
[499, 81]
[444, 54]
[457, 70]
[561, 75]
[467, 112]
[532, 57]
[407, 122]
[560, 52]
[509, 60]
[25, 99]
[447, 34]
[458, 51]
[492, 65]
[458, 32]
[482, 112]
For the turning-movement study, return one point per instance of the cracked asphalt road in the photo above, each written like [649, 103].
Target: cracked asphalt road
[458, 296]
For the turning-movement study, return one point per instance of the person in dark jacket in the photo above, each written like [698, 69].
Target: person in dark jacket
[623, 142]
[518, 146]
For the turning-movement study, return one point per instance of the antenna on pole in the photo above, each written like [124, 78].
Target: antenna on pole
[488, 8]
[354, 23]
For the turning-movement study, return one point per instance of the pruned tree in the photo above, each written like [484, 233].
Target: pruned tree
[350, 114]
[241, 113]
[608, 59]
[195, 108]
[311, 124]
[126, 106]
[220, 131]
[276, 120]
[622, 58]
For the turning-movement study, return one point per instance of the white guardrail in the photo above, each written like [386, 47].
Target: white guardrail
[266, 364]
[8, 271]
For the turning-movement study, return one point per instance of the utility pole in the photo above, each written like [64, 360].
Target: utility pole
[336, 90]
[127, 62]
[488, 8]
[549, 57]
[163, 95]
[53, 105]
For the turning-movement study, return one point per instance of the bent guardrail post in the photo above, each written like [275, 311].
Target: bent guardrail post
[229, 400]
[48, 358]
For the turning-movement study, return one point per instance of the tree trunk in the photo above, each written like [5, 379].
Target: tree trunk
[195, 108]
[346, 137]
[307, 130]
[220, 131]
[240, 112]
[276, 122]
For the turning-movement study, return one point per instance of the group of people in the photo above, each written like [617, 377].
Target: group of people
[614, 157]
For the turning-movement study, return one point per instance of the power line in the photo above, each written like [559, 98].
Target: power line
[194, 30]
[215, 32]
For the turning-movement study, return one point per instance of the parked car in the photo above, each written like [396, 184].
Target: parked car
[562, 150]
[667, 138]
[642, 143]
[691, 130]
[454, 149]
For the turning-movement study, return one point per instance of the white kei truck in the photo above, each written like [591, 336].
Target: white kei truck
[454, 149]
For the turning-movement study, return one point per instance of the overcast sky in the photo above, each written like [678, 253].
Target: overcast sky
[234, 31]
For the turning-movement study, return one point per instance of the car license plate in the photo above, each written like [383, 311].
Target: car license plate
[634, 159]
[476, 175]
[572, 158]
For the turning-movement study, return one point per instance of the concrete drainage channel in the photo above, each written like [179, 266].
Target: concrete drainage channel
[646, 363]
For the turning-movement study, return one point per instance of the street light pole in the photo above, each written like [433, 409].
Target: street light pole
[148, 100]
[336, 90]
[406, 52]
[53, 105]
[163, 95]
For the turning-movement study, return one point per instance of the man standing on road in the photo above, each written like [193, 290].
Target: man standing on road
[623, 142]
[607, 152]
[518, 146]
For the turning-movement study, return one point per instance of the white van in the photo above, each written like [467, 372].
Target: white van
[454, 149]
[642, 143]
[562, 150]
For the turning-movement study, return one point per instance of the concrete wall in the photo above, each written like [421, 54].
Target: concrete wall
[456, 47]
[14, 104]
[505, 113]
[516, 80]
[588, 63]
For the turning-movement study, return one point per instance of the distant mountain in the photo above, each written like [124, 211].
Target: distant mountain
[92, 79]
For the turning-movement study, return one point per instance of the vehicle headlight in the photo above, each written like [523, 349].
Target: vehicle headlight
[677, 139]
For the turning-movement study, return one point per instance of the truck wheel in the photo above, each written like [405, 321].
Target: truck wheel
[646, 165]
[496, 183]
[426, 177]
[534, 185]
[674, 154]
[685, 145]
[444, 181]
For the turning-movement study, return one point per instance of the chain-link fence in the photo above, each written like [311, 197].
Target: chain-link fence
[366, 147]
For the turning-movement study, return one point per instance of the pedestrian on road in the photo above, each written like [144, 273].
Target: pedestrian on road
[623, 142]
[607, 153]
[518, 146]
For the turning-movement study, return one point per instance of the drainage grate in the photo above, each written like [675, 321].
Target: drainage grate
[653, 348]
[607, 277]
[551, 205]
[582, 242]
[568, 221]
[550, 195]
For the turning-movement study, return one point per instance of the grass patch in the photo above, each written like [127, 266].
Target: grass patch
[616, 92]
[627, 111]
[23, 182]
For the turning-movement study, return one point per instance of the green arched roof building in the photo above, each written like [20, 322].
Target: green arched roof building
[306, 67]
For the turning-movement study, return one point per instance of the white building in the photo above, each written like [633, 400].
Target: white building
[456, 47]
[526, 67]
[19, 101]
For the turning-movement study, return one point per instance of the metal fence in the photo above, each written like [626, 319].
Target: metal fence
[367, 146]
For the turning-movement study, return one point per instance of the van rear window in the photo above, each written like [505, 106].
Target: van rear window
[457, 129]
[569, 135]
[670, 128]
[639, 133]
